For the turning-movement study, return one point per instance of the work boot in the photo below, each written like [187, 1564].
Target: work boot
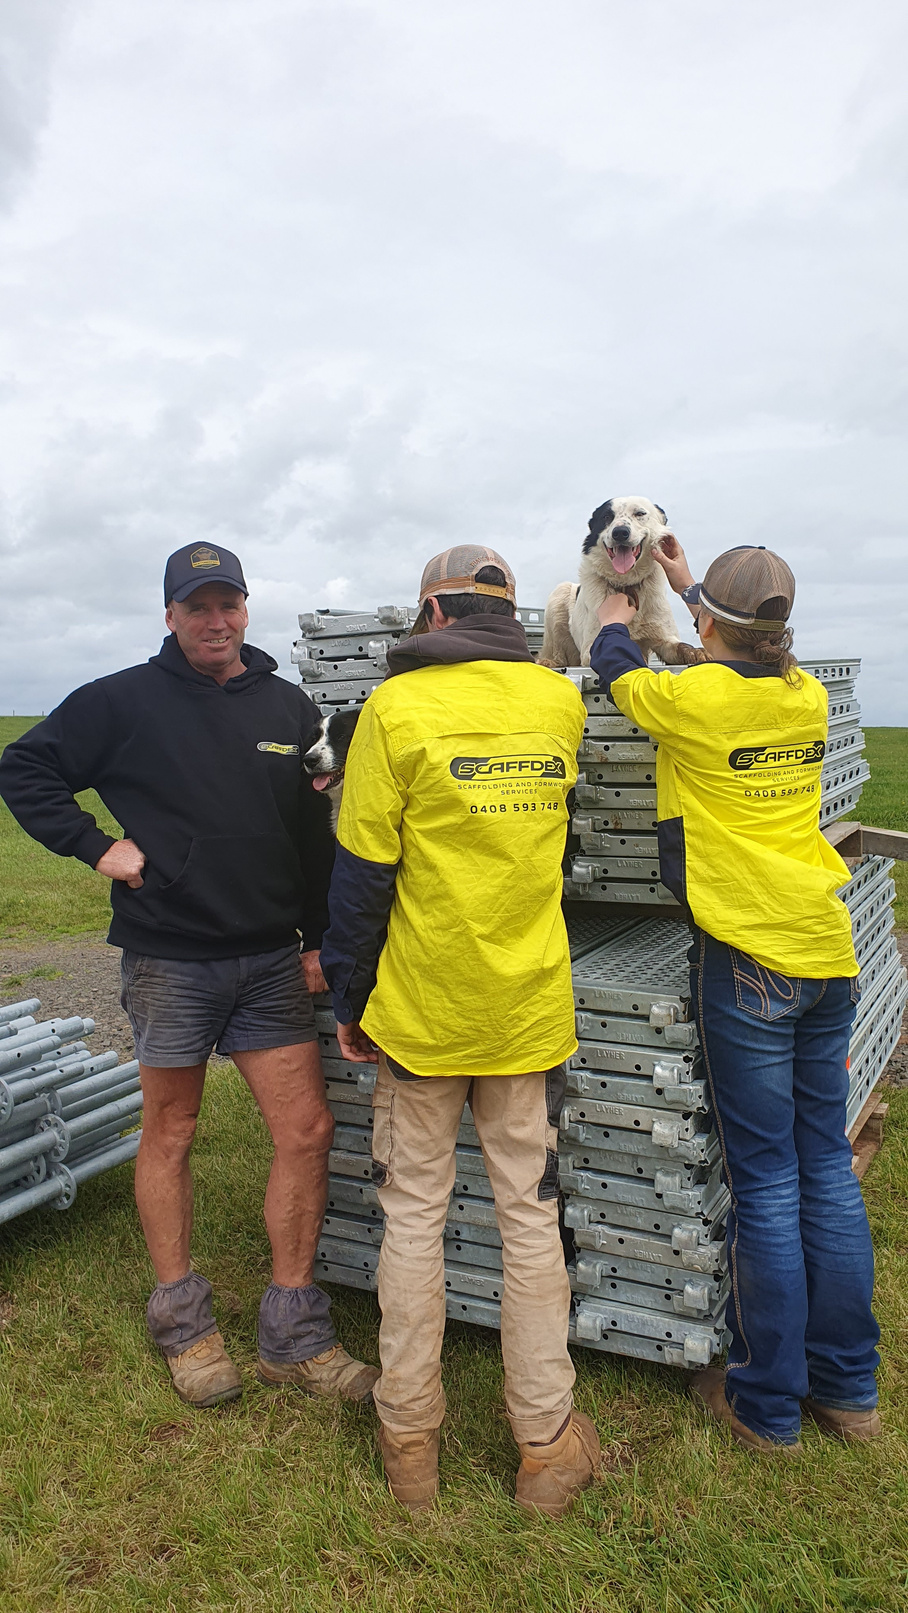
[550, 1477]
[852, 1425]
[333, 1375]
[204, 1375]
[411, 1466]
[708, 1387]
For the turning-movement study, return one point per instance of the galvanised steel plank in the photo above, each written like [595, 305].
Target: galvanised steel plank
[614, 750]
[575, 1154]
[636, 1110]
[612, 844]
[621, 798]
[625, 1194]
[700, 1297]
[629, 1029]
[590, 1143]
[637, 1218]
[593, 1268]
[607, 891]
[347, 624]
[665, 1066]
[615, 820]
[629, 775]
[316, 669]
[586, 870]
[587, 931]
[601, 727]
[357, 1228]
[677, 1246]
[696, 1342]
[346, 693]
[641, 973]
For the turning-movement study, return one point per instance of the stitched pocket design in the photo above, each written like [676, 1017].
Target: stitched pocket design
[763, 992]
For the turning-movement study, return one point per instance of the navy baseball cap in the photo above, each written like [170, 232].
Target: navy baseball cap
[199, 563]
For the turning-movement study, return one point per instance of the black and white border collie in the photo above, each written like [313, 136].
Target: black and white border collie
[326, 758]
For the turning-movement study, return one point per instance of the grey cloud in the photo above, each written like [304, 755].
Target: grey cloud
[286, 280]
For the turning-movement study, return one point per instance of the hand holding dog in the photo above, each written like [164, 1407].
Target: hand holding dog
[618, 607]
[355, 1045]
[671, 557]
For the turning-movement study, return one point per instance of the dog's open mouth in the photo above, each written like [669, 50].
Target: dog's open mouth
[622, 559]
[327, 781]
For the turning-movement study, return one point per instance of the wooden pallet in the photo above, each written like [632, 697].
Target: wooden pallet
[866, 1135]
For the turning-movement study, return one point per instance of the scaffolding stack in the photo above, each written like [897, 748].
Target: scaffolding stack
[643, 1202]
[63, 1112]
[615, 812]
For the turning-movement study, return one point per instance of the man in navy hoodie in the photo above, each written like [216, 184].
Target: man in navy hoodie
[219, 897]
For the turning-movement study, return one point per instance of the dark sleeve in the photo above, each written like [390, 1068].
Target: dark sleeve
[614, 653]
[41, 773]
[360, 904]
[315, 843]
[316, 855]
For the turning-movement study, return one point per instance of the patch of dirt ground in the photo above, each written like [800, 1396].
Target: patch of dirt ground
[77, 975]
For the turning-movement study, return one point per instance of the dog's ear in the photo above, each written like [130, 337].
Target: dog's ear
[663, 515]
[599, 520]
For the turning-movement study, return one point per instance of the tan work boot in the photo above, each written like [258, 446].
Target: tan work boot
[851, 1425]
[411, 1466]
[334, 1375]
[551, 1477]
[708, 1387]
[204, 1375]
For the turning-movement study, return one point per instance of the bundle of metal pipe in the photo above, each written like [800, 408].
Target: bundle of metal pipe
[63, 1111]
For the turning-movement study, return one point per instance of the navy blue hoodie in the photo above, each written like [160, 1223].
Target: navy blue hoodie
[207, 781]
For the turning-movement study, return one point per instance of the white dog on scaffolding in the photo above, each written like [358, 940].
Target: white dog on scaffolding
[617, 558]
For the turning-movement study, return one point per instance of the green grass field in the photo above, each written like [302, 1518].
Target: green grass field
[114, 1496]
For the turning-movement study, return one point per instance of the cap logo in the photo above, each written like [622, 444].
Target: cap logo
[201, 559]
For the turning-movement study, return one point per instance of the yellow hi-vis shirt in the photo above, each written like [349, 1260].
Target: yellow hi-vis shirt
[738, 800]
[460, 774]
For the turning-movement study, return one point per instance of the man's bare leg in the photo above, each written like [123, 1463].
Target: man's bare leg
[289, 1088]
[297, 1341]
[172, 1099]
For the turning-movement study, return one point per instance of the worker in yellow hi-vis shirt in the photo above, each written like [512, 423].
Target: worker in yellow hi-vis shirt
[447, 951]
[774, 985]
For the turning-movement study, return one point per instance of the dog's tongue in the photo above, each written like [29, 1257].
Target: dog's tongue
[321, 781]
[623, 559]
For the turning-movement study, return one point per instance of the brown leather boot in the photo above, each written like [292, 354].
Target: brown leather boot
[333, 1375]
[411, 1466]
[708, 1387]
[551, 1477]
[852, 1426]
[204, 1375]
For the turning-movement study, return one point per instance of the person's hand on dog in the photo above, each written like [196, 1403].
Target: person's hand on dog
[668, 553]
[619, 607]
[355, 1045]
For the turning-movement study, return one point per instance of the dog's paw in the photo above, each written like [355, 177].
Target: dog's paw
[680, 654]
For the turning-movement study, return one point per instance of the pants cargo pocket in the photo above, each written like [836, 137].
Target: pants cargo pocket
[555, 1088]
[381, 1136]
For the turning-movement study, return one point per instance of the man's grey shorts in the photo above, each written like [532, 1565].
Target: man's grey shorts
[179, 1010]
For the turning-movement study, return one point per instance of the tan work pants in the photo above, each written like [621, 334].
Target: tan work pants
[415, 1132]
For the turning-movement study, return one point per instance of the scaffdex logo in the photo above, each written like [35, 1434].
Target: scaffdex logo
[750, 756]
[524, 764]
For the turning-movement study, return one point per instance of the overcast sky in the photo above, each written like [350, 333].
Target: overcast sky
[338, 285]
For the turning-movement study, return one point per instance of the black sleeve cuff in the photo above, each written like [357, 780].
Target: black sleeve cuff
[359, 903]
[614, 653]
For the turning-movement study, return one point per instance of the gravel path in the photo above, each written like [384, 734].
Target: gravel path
[78, 975]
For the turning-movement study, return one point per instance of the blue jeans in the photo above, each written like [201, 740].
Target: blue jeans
[775, 1051]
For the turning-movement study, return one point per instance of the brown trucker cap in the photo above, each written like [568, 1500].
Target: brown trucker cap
[454, 572]
[749, 587]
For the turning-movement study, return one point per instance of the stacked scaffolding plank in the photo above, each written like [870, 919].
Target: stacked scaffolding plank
[62, 1112]
[615, 812]
[644, 1204]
